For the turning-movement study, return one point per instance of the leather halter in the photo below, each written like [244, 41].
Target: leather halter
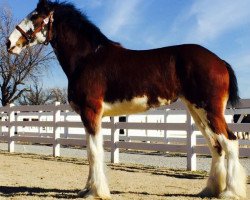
[30, 36]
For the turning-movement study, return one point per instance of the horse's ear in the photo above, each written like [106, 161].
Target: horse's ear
[43, 2]
[43, 5]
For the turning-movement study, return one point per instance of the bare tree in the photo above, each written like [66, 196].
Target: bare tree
[17, 71]
[59, 95]
[35, 95]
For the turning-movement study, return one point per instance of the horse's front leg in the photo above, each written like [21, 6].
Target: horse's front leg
[97, 185]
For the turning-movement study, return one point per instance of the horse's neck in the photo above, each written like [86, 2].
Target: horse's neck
[69, 53]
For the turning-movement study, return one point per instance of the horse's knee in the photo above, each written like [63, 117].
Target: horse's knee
[91, 115]
[91, 125]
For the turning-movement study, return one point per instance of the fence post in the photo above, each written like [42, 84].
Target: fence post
[191, 143]
[66, 129]
[146, 130]
[126, 131]
[56, 130]
[1, 119]
[165, 120]
[114, 139]
[11, 142]
[40, 119]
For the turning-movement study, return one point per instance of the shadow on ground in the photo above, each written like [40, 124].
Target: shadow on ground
[159, 195]
[11, 191]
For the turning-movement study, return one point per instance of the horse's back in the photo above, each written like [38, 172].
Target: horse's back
[165, 73]
[195, 73]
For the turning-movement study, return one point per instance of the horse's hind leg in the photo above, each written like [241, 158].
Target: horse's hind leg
[97, 185]
[229, 183]
[236, 176]
[217, 179]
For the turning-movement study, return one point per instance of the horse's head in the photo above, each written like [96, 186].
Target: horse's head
[36, 28]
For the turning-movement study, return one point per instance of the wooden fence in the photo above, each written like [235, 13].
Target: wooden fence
[53, 124]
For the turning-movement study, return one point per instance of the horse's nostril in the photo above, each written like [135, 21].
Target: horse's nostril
[8, 43]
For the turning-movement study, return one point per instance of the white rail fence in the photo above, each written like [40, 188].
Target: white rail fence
[168, 129]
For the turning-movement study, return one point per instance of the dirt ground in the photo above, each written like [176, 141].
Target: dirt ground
[25, 176]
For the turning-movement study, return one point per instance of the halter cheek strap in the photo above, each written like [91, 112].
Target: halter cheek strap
[46, 21]
[24, 34]
[49, 20]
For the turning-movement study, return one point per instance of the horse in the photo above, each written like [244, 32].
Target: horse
[107, 79]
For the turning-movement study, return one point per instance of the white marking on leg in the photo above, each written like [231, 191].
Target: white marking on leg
[217, 178]
[200, 120]
[97, 180]
[236, 175]
[97, 185]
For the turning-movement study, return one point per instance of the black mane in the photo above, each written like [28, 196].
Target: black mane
[67, 13]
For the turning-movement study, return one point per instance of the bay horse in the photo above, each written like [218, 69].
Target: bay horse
[106, 79]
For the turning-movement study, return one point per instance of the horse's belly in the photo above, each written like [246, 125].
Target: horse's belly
[135, 105]
[125, 107]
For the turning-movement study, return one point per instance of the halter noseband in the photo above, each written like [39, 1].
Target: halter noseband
[30, 36]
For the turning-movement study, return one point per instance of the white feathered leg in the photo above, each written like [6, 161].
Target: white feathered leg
[236, 176]
[97, 185]
[217, 178]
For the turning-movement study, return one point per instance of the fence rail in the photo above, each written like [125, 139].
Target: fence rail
[155, 131]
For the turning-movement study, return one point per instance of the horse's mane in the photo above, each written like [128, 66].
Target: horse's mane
[67, 13]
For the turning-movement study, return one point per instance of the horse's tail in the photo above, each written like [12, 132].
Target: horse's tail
[233, 86]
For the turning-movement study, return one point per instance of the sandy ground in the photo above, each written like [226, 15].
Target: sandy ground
[25, 176]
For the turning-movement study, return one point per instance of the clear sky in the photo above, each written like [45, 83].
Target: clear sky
[222, 26]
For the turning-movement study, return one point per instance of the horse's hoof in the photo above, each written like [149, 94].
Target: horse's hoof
[87, 194]
[206, 192]
[228, 195]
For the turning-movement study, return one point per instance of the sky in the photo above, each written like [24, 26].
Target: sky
[222, 26]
